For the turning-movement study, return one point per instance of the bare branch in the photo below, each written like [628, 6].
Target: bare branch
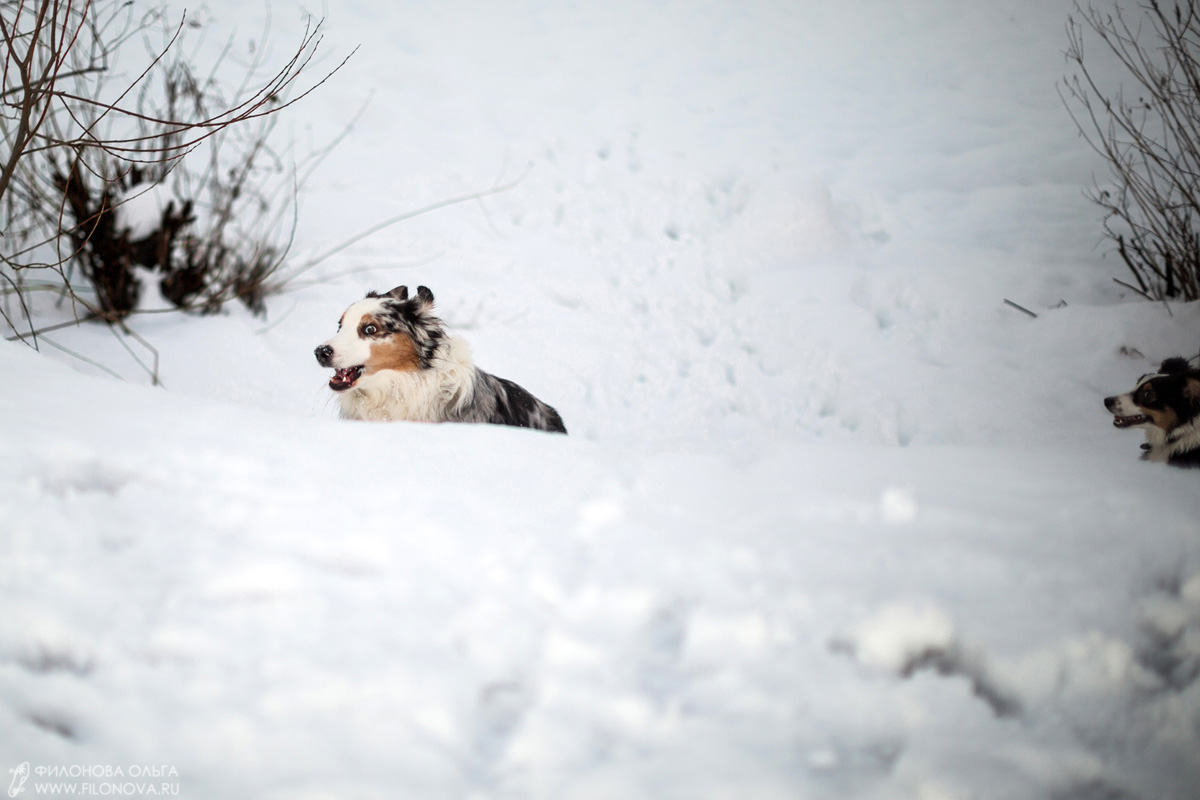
[1151, 142]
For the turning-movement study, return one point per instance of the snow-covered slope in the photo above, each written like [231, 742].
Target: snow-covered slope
[281, 607]
[832, 520]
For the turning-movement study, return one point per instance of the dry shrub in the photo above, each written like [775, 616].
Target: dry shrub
[106, 178]
[1147, 128]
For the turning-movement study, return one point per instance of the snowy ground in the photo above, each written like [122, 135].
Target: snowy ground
[832, 520]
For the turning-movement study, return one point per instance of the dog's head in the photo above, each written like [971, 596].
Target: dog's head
[382, 332]
[1164, 400]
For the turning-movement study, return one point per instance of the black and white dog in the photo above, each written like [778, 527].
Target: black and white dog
[1166, 405]
[393, 360]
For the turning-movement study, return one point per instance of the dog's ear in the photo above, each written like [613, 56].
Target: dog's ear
[399, 293]
[1174, 365]
[1191, 390]
[425, 298]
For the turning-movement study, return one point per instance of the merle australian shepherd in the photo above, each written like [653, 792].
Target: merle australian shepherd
[393, 360]
[1166, 405]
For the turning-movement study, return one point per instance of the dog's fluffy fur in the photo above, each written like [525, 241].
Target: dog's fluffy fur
[1166, 405]
[393, 360]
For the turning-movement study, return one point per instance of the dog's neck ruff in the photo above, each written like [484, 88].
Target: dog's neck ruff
[1184, 438]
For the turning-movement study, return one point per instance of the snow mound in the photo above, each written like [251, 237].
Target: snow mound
[900, 636]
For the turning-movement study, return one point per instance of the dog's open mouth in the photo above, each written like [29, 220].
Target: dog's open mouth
[343, 379]
[1128, 422]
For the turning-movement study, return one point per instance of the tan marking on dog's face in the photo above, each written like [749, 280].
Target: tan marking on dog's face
[1165, 418]
[395, 351]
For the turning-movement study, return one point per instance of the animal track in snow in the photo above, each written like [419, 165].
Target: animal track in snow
[905, 639]
[64, 477]
[56, 723]
[44, 659]
[1170, 639]
[501, 707]
[662, 639]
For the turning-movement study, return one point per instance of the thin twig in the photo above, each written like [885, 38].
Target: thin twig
[130, 332]
[407, 215]
[83, 358]
[49, 328]
[1132, 288]
[1022, 309]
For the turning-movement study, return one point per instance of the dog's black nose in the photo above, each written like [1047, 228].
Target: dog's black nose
[324, 353]
[1109, 402]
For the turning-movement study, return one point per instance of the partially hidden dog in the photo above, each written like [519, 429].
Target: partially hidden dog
[393, 360]
[1166, 405]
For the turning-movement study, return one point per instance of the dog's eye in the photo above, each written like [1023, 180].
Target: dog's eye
[370, 330]
[1147, 395]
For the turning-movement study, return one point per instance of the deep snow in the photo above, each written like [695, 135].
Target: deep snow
[832, 520]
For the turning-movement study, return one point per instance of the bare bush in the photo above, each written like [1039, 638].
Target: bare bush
[95, 182]
[1149, 134]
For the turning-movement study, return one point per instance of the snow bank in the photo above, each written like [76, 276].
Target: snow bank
[204, 586]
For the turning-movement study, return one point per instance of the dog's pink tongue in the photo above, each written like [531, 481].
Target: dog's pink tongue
[344, 375]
